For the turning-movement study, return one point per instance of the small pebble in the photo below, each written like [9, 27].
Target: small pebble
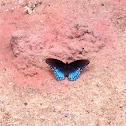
[11, 83]
[102, 4]
[92, 18]
[6, 10]
[1, 102]
[25, 103]
[106, 11]
[66, 115]
[41, 21]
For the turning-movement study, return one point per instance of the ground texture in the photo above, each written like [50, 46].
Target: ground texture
[67, 30]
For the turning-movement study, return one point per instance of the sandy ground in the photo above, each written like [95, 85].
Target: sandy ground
[30, 32]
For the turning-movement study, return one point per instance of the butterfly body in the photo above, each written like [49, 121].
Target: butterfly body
[71, 70]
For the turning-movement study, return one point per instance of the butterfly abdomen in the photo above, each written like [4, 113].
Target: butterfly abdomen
[66, 70]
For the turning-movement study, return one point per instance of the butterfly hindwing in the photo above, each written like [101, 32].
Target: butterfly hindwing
[58, 68]
[76, 67]
[74, 74]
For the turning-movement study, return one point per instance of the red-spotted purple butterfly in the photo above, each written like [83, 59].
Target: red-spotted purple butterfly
[71, 70]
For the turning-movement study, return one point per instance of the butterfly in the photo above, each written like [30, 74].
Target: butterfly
[71, 70]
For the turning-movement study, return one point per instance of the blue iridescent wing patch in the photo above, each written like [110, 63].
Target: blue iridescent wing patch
[76, 67]
[74, 74]
[71, 70]
[58, 68]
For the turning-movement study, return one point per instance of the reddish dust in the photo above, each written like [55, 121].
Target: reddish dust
[51, 31]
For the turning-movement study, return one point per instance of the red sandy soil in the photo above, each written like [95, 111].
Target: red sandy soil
[67, 30]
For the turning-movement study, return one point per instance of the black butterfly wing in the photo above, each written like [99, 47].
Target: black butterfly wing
[58, 68]
[76, 67]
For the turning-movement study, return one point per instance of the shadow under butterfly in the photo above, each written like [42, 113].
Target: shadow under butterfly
[71, 70]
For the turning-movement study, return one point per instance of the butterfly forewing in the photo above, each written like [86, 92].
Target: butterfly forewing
[76, 67]
[58, 68]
